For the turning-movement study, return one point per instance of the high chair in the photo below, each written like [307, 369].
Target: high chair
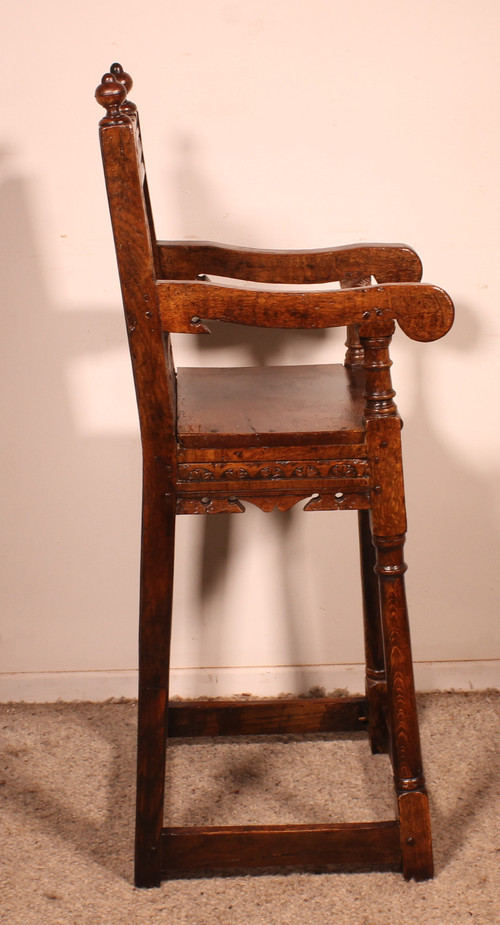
[216, 439]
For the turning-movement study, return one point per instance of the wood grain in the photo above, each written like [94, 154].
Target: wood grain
[423, 312]
[386, 262]
[273, 405]
[267, 717]
[342, 847]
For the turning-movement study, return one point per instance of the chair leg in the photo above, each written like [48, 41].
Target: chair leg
[157, 564]
[413, 806]
[375, 681]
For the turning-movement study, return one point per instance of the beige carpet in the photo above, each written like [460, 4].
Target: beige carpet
[67, 791]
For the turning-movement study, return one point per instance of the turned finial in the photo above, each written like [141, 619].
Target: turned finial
[111, 93]
[125, 79]
[119, 74]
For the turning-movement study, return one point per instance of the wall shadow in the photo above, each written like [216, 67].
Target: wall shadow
[448, 505]
[440, 499]
[63, 575]
[68, 781]
[202, 217]
[69, 772]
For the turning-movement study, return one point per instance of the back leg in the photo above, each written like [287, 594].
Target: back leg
[157, 565]
[375, 681]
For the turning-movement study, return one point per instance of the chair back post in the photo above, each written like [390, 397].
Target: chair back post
[137, 258]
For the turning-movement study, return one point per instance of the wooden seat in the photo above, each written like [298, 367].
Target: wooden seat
[215, 439]
[269, 406]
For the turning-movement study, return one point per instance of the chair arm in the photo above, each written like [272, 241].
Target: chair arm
[423, 312]
[386, 262]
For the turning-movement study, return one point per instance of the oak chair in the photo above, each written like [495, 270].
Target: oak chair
[214, 439]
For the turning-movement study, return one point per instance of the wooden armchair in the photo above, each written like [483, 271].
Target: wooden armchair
[215, 439]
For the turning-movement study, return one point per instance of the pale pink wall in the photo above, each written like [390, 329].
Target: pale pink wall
[295, 123]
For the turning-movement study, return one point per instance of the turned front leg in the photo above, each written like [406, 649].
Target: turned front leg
[416, 843]
[383, 428]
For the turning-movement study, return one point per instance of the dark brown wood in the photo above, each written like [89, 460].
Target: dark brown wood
[155, 387]
[386, 262]
[423, 312]
[353, 846]
[157, 566]
[302, 454]
[219, 502]
[416, 838]
[328, 437]
[267, 717]
[388, 514]
[354, 354]
[375, 680]
[273, 405]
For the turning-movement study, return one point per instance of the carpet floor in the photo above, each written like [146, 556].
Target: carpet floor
[67, 798]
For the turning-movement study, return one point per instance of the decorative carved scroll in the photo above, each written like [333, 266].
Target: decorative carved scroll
[351, 501]
[209, 506]
[327, 501]
[269, 503]
[339, 501]
[261, 471]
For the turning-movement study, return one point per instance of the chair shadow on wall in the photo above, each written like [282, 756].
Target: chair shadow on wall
[64, 571]
[60, 560]
[443, 494]
[203, 218]
[435, 478]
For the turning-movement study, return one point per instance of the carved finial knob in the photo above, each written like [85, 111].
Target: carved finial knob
[111, 94]
[119, 74]
[125, 79]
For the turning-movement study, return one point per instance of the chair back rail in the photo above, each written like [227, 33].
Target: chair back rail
[386, 262]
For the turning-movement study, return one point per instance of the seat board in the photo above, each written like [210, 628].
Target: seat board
[270, 406]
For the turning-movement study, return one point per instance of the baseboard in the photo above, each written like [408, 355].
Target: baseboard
[48, 687]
